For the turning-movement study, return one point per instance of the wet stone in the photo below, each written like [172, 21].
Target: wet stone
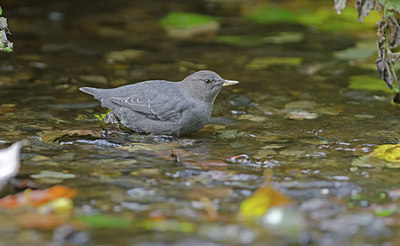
[124, 55]
[301, 115]
[239, 100]
[94, 79]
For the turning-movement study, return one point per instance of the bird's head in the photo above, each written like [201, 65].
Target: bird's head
[205, 85]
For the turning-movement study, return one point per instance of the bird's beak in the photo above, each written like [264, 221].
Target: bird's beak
[230, 82]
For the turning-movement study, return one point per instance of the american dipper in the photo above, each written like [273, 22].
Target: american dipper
[164, 107]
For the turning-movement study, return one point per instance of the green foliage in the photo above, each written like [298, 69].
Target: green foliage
[391, 5]
[180, 19]
[101, 117]
[5, 45]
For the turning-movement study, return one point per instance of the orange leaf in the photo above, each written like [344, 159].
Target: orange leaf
[36, 197]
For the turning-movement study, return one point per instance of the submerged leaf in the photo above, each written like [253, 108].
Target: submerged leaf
[36, 197]
[105, 221]
[388, 152]
[262, 199]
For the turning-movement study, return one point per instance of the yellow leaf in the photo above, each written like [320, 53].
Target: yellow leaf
[262, 199]
[388, 152]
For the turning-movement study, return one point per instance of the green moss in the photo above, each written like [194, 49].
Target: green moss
[328, 20]
[105, 221]
[272, 14]
[363, 82]
[181, 19]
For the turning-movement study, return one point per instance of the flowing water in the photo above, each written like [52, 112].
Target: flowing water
[297, 124]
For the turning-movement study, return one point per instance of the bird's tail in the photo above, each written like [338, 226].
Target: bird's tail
[89, 90]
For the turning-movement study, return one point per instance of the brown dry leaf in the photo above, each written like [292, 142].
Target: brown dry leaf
[208, 165]
[173, 154]
[83, 132]
[9, 107]
[40, 221]
[394, 32]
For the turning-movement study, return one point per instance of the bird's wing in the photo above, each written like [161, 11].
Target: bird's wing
[158, 107]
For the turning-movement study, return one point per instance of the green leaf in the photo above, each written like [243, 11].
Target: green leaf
[391, 4]
[105, 221]
[181, 19]
[1, 10]
[385, 213]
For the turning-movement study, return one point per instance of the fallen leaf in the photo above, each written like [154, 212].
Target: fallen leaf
[388, 152]
[105, 221]
[262, 199]
[36, 197]
[210, 192]
[4, 108]
[40, 221]
[208, 165]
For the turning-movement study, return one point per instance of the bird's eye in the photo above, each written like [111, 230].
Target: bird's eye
[207, 81]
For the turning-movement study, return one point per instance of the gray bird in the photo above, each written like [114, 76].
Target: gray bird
[164, 107]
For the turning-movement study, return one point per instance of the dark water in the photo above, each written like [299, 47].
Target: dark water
[299, 120]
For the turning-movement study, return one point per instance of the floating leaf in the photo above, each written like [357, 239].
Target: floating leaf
[105, 221]
[262, 199]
